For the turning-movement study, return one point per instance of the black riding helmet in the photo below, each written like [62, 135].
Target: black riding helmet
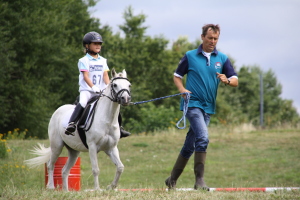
[91, 37]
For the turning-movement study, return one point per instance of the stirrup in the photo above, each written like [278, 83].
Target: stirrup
[71, 129]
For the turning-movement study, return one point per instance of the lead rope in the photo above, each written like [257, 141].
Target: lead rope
[185, 106]
[185, 109]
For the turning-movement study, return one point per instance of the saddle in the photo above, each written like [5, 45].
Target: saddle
[86, 116]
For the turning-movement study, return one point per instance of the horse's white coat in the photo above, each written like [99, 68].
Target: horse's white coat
[103, 135]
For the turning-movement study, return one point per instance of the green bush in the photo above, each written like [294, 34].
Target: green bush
[154, 118]
[3, 147]
[16, 134]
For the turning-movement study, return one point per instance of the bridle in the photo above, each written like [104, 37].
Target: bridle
[116, 96]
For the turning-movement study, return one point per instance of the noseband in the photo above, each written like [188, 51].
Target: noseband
[116, 96]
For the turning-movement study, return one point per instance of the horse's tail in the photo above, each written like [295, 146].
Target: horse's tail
[43, 156]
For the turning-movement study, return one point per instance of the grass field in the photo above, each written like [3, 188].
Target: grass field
[266, 158]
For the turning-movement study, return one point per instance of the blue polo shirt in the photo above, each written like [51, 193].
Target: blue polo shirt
[202, 79]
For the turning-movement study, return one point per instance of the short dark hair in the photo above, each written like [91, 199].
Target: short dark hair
[215, 28]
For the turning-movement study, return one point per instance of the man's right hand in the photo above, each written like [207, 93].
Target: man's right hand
[184, 91]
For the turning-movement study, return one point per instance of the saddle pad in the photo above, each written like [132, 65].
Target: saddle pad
[82, 136]
[82, 122]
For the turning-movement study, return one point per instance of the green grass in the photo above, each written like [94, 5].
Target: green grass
[248, 159]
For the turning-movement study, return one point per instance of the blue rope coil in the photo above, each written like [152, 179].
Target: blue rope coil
[185, 106]
[185, 109]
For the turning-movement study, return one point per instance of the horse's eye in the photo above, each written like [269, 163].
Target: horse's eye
[114, 85]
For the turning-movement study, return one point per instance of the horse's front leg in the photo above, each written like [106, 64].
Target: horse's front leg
[95, 167]
[114, 156]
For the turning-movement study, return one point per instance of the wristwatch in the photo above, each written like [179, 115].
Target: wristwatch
[228, 82]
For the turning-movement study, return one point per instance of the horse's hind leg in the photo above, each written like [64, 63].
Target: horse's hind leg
[115, 158]
[72, 158]
[56, 149]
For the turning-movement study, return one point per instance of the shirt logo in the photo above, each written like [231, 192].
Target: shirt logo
[218, 65]
[96, 68]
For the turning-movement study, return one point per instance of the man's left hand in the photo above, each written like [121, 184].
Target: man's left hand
[222, 78]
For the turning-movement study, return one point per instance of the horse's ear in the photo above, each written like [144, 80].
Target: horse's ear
[113, 73]
[124, 73]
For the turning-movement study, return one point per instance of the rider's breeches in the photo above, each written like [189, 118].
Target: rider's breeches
[85, 97]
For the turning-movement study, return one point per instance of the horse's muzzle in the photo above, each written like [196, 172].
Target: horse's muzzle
[125, 100]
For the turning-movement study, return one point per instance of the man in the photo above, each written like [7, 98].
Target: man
[205, 68]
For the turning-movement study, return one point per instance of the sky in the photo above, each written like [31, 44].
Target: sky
[253, 32]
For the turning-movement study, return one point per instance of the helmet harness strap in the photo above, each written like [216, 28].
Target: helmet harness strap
[89, 51]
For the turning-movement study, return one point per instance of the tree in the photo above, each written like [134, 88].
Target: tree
[151, 66]
[147, 63]
[242, 104]
[41, 45]
[42, 42]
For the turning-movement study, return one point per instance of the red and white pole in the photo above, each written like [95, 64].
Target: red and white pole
[264, 189]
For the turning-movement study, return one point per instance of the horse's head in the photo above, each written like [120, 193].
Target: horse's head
[120, 88]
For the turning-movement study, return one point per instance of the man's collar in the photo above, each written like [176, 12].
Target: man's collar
[215, 51]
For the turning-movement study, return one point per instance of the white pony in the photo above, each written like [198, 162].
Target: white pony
[103, 135]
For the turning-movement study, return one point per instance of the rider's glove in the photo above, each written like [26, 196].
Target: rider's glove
[96, 89]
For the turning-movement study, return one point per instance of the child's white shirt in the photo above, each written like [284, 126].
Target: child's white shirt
[96, 67]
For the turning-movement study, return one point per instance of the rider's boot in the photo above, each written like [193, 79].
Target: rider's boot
[123, 133]
[176, 172]
[199, 163]
[73, 120]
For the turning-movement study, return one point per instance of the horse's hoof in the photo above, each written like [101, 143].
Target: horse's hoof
[50, 187]
[111, 187]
